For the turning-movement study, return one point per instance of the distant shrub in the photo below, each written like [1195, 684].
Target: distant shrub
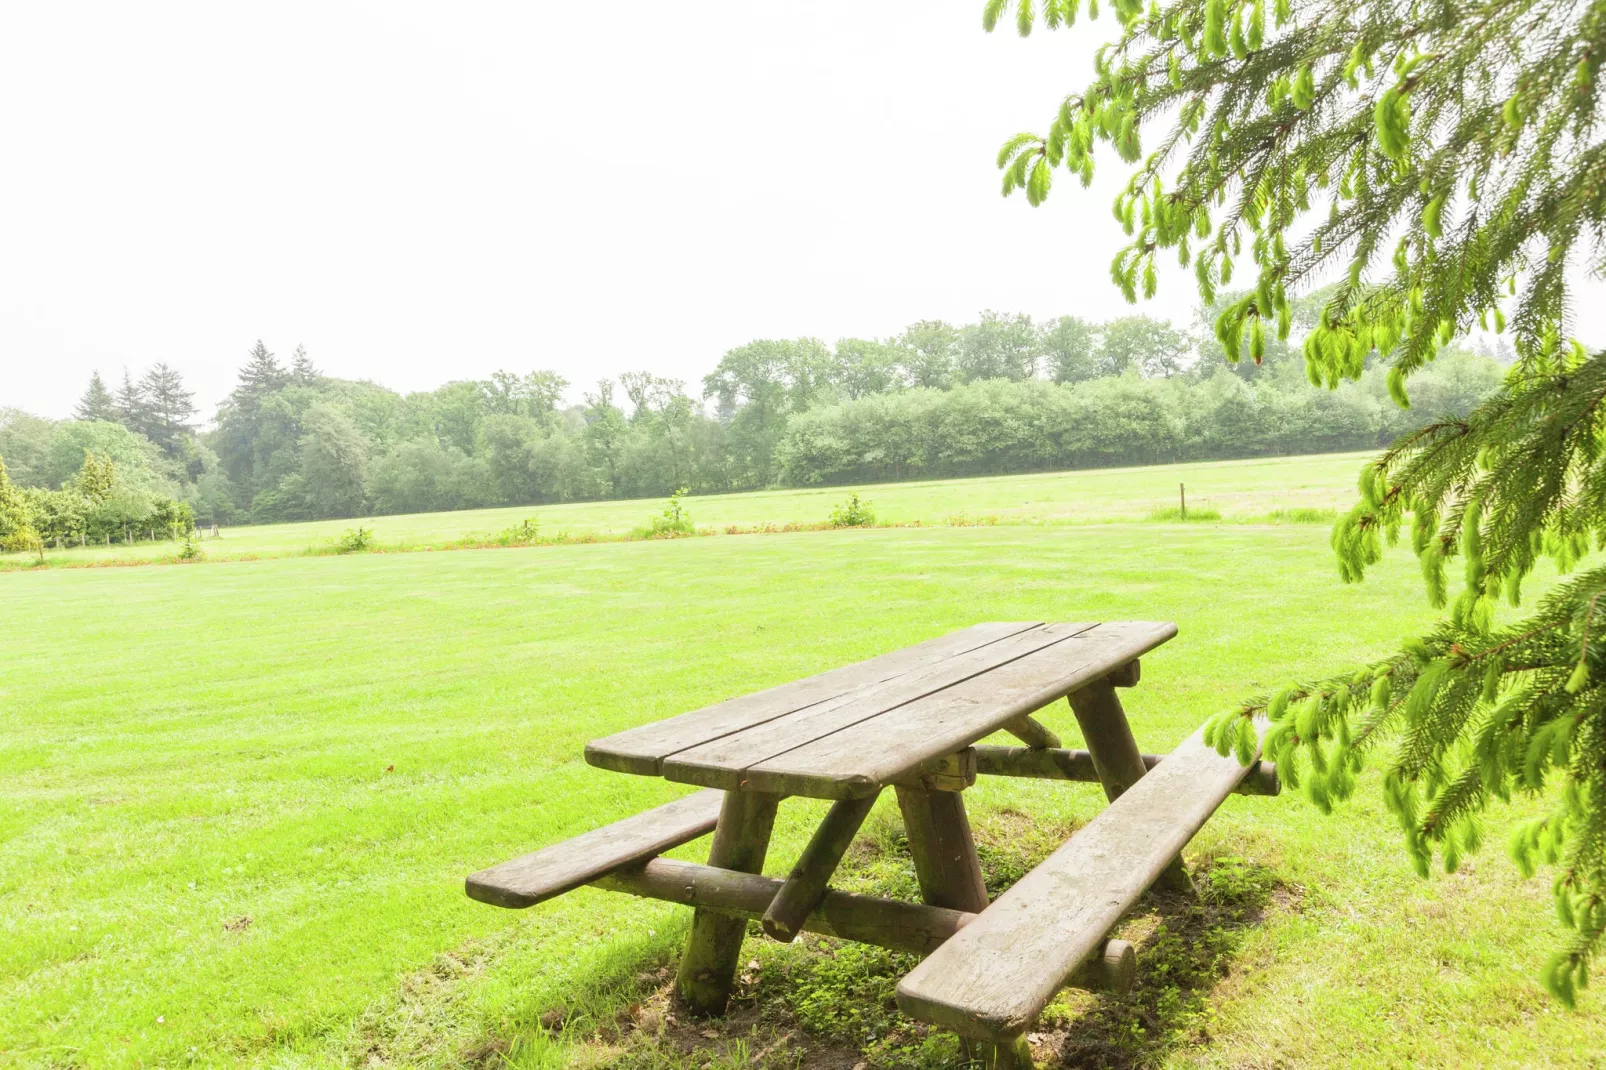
[521, 534]
[187, 550]
[354, 542]
[1303, 515]
[673, 523]
[1173, 515]
[853, 513]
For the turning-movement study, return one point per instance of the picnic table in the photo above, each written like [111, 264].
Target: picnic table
[910, 720]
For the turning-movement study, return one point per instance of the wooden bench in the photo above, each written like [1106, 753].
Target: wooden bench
[994, 977]
[911, 720]
[539, 876]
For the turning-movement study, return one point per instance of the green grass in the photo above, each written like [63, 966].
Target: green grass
[237, 803]
[1240, 491]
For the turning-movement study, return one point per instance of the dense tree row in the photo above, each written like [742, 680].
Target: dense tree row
[1000, 426]
[998, 395]
[102, 501]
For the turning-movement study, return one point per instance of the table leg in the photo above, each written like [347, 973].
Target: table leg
[950, 876]
[1115, 754]
[944, 850]
[714, 948]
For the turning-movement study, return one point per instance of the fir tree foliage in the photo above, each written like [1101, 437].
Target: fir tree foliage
[302, 370]
[1445, 161]
[97, 402]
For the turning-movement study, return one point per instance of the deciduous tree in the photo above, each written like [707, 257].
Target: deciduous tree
[1070, 346]
[931, 348]
[998, 346]
[17, 530]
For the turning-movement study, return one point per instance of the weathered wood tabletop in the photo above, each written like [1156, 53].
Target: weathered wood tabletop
[847, 733]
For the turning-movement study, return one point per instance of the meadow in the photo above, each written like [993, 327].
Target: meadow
[1245, 490]
[238, 800]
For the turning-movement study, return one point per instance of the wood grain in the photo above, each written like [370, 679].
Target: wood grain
[861, 758]
[724, 763]
[643, 749]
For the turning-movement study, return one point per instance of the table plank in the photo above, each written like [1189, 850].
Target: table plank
[724, 763]
[873, 752]
[995, 976]
[642, 750]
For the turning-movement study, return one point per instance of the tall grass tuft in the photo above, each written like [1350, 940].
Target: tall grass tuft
[1174, 515]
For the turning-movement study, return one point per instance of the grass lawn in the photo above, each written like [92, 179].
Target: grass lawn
[1239, 490]
[237, 803]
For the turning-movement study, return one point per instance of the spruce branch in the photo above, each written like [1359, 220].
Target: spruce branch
[1446, 162]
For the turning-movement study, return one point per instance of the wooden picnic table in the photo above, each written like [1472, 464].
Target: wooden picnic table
[910, 720]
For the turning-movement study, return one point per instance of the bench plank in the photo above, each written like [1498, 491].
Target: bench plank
[642, 750]
[994, 977]
[564, 866]
[886, 748]
[724, 763]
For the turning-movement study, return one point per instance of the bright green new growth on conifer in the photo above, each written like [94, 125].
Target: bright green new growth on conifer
[1446, 159]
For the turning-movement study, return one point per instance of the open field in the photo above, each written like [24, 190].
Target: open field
[1239, 490]
[237, 802]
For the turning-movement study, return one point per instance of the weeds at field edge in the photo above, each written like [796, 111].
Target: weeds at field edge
[513, 539]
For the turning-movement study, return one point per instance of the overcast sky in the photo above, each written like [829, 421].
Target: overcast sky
[420, 193]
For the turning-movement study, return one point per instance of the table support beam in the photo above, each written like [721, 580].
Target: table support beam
[805, 886]
[865, 919]
[1116, 758]
[1061, 764]
[1032, 732]
[714, 948]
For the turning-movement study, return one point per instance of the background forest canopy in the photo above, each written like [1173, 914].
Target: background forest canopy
[1003, 394]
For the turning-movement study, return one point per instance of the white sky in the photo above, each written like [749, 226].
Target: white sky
[421, 193]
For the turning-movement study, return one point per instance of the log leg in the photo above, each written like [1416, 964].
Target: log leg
[1115, 754]
[806, 886]
[714, 948]
[950, 876]
[944, 850]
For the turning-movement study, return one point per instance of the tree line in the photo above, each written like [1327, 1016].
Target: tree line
[1003, 394]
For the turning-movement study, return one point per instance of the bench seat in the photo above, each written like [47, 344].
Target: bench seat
[562, 867]
[992, 978]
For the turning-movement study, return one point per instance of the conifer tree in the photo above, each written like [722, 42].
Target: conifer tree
[166, 407]
[262, 374]
[302, 371]
[97, 402]
[130, 403]
[1446, 162]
